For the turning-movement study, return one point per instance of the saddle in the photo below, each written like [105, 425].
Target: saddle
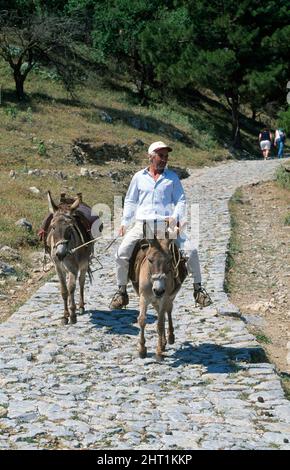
[138, 256]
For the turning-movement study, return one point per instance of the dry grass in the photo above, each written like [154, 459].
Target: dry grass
[258, 277]
[39, 132]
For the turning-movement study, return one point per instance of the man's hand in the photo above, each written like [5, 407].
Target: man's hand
[172, 226]
[122, 230]
[171, 222]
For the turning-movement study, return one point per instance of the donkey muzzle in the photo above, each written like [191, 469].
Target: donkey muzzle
[61, 249]
[158, 285]
[158, 292]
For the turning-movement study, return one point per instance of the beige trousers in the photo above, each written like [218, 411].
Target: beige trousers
[127, 246]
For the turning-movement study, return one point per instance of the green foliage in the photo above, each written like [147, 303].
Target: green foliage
[215, 69]
[284, 120]
[11, 111]
[29, 115]
[47, 73]
[263, 338]
[118, 25]
[41, 148]
[162, 44]
[39, 38]
[283, 177]
[260, 85]
[238, 50]
[287, 219]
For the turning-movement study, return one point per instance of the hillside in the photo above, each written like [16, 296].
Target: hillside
[102, 130]
[40, 132]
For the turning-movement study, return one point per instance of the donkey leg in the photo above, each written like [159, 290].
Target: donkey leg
[142, 323]
[82, 285]
[64, 294]
[71, 299]
[161, 335]
[171, 337]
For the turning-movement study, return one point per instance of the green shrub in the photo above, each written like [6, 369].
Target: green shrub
[11, 111]
[284, 120]
[287, 219]
[283, 177]
[41, 148]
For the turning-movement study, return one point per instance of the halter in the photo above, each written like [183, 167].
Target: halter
[64, 241]
[61, 242]
[158, 277]
[174, 264]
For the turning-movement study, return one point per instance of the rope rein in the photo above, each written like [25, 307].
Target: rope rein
[175, 261]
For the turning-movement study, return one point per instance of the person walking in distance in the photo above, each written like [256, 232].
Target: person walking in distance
[279, 141]
[265, 139]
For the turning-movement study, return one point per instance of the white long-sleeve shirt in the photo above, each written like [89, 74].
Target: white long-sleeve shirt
[147, 199]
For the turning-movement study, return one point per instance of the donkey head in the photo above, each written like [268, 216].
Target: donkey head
[61, 226]
[160, 263]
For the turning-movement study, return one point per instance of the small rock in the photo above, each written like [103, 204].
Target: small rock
[178, 135]
[260, 399]
[6, 270]
[9, 253]
[3, 411]
[34, 172]
[12, 174]
[24, 223]
[61, 175]
[138, 142]
[106, 117]
[34, 190]
[84, 172]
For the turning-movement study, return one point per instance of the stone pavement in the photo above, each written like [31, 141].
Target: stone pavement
[84, 386]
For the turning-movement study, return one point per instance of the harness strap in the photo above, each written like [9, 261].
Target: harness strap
[80, 233]
[175, 262]
[61, 242]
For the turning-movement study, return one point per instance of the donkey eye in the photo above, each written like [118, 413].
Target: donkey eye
[150, 260]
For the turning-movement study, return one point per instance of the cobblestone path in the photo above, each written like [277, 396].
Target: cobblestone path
[83, 386]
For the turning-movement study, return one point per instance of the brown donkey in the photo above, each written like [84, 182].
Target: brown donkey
[157, 272]
[65, 234]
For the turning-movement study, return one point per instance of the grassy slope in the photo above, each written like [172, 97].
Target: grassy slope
[51, 117]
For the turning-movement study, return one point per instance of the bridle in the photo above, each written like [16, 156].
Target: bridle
[64, 241]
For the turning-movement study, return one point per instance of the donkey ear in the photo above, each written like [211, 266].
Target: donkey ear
[154, 242]
[51, 205]
[75, 204]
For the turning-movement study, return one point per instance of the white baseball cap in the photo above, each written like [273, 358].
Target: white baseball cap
[157, 146]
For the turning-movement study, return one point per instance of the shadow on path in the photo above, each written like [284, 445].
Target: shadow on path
[119, 322]
[218, 359]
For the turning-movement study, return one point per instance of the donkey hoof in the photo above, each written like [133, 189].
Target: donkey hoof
[73, 319]
[159, 357]
[143, 353]
[64, 321]
[82, 310]
[171, 339]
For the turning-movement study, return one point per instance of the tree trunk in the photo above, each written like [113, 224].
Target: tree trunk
[233, 101]
[254, 114]
[19, 82]
[236, 126]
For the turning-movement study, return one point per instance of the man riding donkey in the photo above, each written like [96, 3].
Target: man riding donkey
[155, 195]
